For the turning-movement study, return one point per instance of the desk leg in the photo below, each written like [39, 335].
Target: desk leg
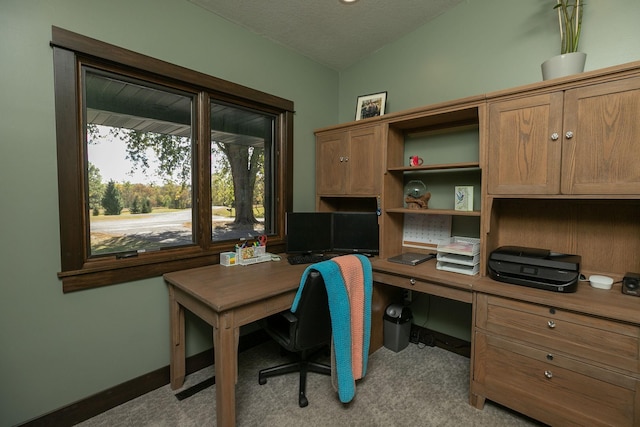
[225, 346]
[177, 356]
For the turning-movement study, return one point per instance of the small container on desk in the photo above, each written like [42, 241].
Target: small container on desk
[252, 255]
[459, 255]
[228, 259]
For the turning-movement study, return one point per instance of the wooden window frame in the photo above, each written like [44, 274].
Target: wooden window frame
[78, 271]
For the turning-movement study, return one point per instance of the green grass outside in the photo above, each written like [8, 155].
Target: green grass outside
[258, 211]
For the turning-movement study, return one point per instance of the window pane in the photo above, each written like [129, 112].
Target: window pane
[139, 160]
[242, 172]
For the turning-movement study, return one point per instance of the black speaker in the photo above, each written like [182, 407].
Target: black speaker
[631, 284]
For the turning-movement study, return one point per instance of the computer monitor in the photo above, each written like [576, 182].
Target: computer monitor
[308, 232]
[355, 232]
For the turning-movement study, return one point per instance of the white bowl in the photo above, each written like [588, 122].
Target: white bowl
[601, 282]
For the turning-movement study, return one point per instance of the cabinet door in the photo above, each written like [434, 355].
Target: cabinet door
[331, 165]
[524, 153]
[601, 154]
[365, 161]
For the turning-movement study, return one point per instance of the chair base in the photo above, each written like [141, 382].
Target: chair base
[302, 366]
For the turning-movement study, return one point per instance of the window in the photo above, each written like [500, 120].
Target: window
[140, 145]
[161, 168]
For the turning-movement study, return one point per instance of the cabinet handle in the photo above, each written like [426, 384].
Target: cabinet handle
[555, 136]
[412, 281]
[341, 159]
[548, 374]
[346, 159]
[569, 134]
[549, 356]
[551, 324]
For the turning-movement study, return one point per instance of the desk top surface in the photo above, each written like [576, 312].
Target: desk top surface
[224, 288]
[598, 302]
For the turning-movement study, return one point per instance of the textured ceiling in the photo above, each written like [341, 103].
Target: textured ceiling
[327, 31]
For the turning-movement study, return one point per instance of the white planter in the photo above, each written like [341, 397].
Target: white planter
[563, 65]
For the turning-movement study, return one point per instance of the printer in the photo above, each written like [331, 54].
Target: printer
[536, 268]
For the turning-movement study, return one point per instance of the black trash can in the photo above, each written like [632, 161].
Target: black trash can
[397, 327]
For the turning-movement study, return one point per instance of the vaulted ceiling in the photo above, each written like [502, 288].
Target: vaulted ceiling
[328, 31]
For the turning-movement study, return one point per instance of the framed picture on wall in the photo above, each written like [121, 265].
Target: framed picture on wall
[371, 105]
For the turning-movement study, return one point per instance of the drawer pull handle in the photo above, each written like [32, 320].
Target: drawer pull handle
[551, 324]
[412, 281]
[555, 136]
[549, 356]
[548, 374]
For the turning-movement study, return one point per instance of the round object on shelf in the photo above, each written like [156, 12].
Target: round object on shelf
[416, 195]
[415, 188]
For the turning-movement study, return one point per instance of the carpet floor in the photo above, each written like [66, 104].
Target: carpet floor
[418, 386]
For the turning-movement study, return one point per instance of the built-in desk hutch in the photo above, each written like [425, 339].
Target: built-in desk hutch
[553, 165]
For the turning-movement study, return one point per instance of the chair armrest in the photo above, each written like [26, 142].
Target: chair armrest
[292, 321]
[291, 318]
[282, 323]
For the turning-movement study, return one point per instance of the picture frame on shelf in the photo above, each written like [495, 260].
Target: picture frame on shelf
[463, 198]
[371, 105]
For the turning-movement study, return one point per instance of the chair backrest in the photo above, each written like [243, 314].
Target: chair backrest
[314, 319]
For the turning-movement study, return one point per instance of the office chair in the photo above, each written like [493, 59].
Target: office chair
[304, 332]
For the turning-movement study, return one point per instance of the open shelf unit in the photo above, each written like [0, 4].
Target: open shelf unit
[447, 138]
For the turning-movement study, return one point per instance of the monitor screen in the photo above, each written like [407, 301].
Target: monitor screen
[355, 232]
[308, 232]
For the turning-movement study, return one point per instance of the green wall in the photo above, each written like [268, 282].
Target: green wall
[486, 45]
[57, 349]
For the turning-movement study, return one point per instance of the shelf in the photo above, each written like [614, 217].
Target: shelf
[433, 212]
[448, 115]
[442, 166]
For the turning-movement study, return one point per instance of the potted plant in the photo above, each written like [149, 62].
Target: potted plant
[570, 61]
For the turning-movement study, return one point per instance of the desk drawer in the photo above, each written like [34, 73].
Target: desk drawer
[602, 341]
[561, 391]
[424, 286]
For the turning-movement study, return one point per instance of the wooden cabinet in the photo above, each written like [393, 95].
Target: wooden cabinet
[578, 141]
[602, 156]
[560, 175]
[523, 159]
[559, 367]
[557, 166]
[349, 162]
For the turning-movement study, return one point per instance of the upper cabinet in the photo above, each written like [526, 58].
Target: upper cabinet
[553, 165]
[602, 155]
[523, 156]
[349, 162]
[577, 141]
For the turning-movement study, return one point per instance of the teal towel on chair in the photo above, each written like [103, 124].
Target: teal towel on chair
[341, 321]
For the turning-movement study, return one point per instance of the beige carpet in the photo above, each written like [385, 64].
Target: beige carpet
[415, 387]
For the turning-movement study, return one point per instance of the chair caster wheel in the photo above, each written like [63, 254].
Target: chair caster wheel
[303, 402]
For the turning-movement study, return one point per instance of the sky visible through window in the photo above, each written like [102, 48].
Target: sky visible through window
[109, 156]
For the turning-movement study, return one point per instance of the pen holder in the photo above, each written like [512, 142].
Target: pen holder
[251, 255]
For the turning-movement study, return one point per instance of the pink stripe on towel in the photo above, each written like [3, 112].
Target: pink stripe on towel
[351, 270]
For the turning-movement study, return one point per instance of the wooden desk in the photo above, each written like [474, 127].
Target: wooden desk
[226, 298]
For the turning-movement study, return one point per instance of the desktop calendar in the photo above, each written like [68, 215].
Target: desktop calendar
[425, 231]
